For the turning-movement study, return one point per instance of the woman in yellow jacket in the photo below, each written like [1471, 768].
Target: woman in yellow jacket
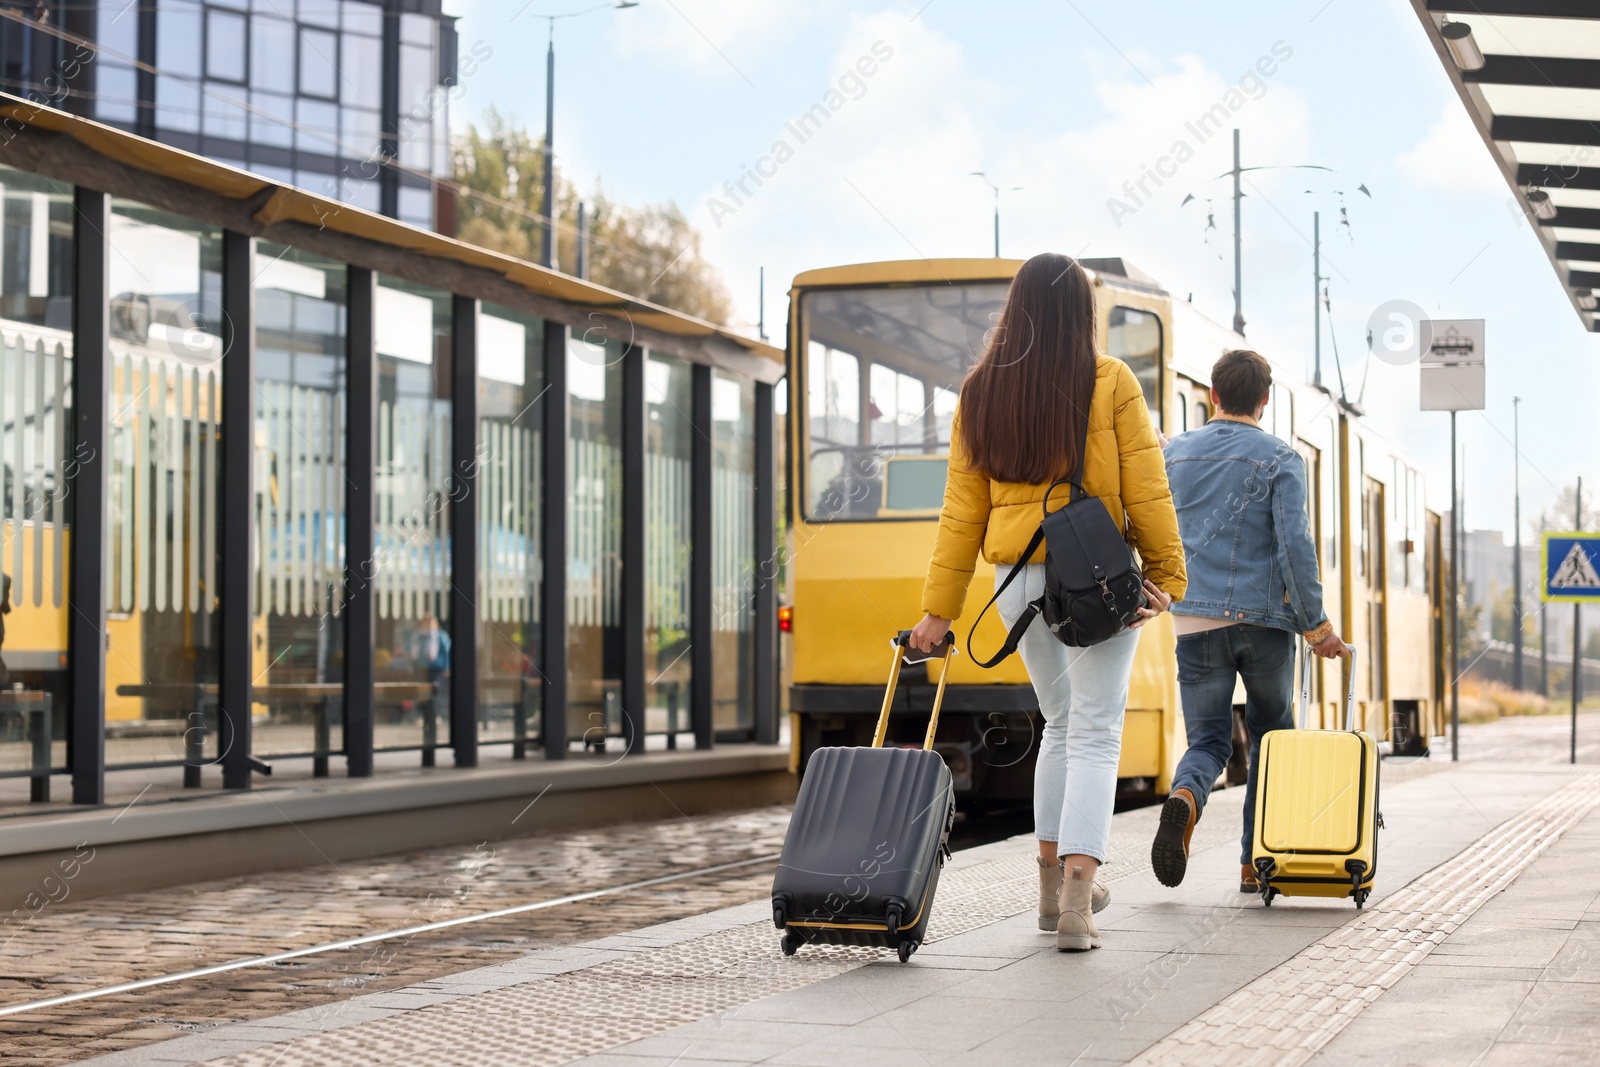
[1016, 430]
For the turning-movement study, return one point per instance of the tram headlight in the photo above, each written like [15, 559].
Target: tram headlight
[1463, 49]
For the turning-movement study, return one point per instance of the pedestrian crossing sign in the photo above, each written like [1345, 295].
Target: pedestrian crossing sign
[1571, 567]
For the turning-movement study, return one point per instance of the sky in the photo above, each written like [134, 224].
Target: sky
[1076, 103]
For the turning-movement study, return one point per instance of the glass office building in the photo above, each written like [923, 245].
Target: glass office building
[286, 483]
[346, 98]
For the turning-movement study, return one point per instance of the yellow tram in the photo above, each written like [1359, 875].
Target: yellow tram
[876, 355]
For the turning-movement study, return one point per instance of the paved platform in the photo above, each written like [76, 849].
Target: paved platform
[1478, 947]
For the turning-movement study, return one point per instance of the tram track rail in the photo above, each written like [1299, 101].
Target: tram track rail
[387, 935]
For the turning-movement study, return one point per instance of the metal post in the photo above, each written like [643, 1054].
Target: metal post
[766, 573]
[761, 307]
[635, 426]
[701, 533]
[997, 223]
[361, 451]
[582, 265]
[1516, 546]
[1577, 625]
[1455, 603]
[464, 530]
[91, 381]
[547, 205]
[1238, 266]
[1316, 297]
[238, 503]
[553, 539]
[1544, 639]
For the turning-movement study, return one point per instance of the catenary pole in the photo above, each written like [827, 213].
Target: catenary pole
[1516, 545]
[547, 207]
[1238, 270]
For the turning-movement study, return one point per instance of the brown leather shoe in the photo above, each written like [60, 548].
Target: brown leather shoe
[1169, 855]
[1247, 879]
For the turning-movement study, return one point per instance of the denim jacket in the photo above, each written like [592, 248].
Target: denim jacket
[1241, 499]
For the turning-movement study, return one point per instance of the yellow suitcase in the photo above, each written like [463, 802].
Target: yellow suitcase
[1317, 816]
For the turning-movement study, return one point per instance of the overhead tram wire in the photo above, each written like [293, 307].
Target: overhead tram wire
[318, 132]
[388, 935]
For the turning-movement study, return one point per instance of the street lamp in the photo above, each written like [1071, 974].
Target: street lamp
[547, 252]
[997, 191]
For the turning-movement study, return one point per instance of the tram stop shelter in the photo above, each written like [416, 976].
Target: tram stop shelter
[285, 479]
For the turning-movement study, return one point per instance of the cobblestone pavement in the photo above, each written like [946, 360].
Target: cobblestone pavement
[110, 940]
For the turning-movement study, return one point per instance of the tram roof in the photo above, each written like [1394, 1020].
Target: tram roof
[1533, 104]
[73, 149]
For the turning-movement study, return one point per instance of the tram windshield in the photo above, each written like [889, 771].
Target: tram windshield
[883, 370]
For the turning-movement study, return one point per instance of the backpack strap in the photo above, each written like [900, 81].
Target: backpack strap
[1023, 621]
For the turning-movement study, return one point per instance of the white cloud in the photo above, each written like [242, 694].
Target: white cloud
[1452, 157]
[709, 35]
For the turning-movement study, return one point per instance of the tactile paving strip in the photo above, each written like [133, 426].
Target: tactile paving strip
[1288, 1014]
[549, 1021]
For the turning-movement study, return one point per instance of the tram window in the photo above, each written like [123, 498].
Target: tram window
[1183, 411]
[1200, 415]
[885, 368]
[1134, 337]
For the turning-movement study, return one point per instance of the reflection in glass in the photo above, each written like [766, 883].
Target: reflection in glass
[510, 420]
[733, 413]
[298, 658]
[164, 440]
[412, 516]
[35, 443]
[884, 367]
[669, 454]
[594, 539]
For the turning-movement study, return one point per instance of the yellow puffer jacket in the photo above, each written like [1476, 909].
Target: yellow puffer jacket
[1124, 468]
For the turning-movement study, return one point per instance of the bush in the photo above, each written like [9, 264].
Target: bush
[1488, 701]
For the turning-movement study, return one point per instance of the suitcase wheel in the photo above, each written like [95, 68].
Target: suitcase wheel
[905, 949]
[1267, 894]
[791, 943]
[1361, 898]
[892, 920]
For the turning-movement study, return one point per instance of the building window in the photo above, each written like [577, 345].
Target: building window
[299, 509]
[412, 515]
[510, 505]
[225, 46]
[669, 455]
[164, 443]
[319, 51]
[271, 54]
[733, 501]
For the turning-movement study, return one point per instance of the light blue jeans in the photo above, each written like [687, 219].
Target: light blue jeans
[1082, 694]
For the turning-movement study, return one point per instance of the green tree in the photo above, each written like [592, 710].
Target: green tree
[1559, 515]
[649, 251]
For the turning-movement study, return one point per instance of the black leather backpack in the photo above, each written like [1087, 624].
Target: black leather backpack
[1092, 588]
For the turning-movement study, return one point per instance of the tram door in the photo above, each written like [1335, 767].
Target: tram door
[1374, 575]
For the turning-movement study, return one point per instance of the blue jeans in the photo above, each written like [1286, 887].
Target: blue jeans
[1082, 694]
[1207, 665]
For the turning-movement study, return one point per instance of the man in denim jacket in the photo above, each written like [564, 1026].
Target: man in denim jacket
[1253, 591]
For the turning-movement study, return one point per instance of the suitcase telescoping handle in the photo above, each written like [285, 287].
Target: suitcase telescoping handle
[1349, 693]
[902, 648]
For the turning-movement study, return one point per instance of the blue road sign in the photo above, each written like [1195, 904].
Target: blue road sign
[1571, 566]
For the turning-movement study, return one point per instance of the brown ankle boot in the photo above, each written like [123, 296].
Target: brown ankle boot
[1075, 930]
[1050, 875]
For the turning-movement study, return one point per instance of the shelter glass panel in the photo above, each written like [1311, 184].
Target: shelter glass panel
[733, 562]
[164, 439]
[412, 516]
[510, 509]
[594, 539]
[36, 224]
[669, 453]
[297, 656]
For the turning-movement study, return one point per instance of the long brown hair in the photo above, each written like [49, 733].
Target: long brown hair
[1024, 404]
